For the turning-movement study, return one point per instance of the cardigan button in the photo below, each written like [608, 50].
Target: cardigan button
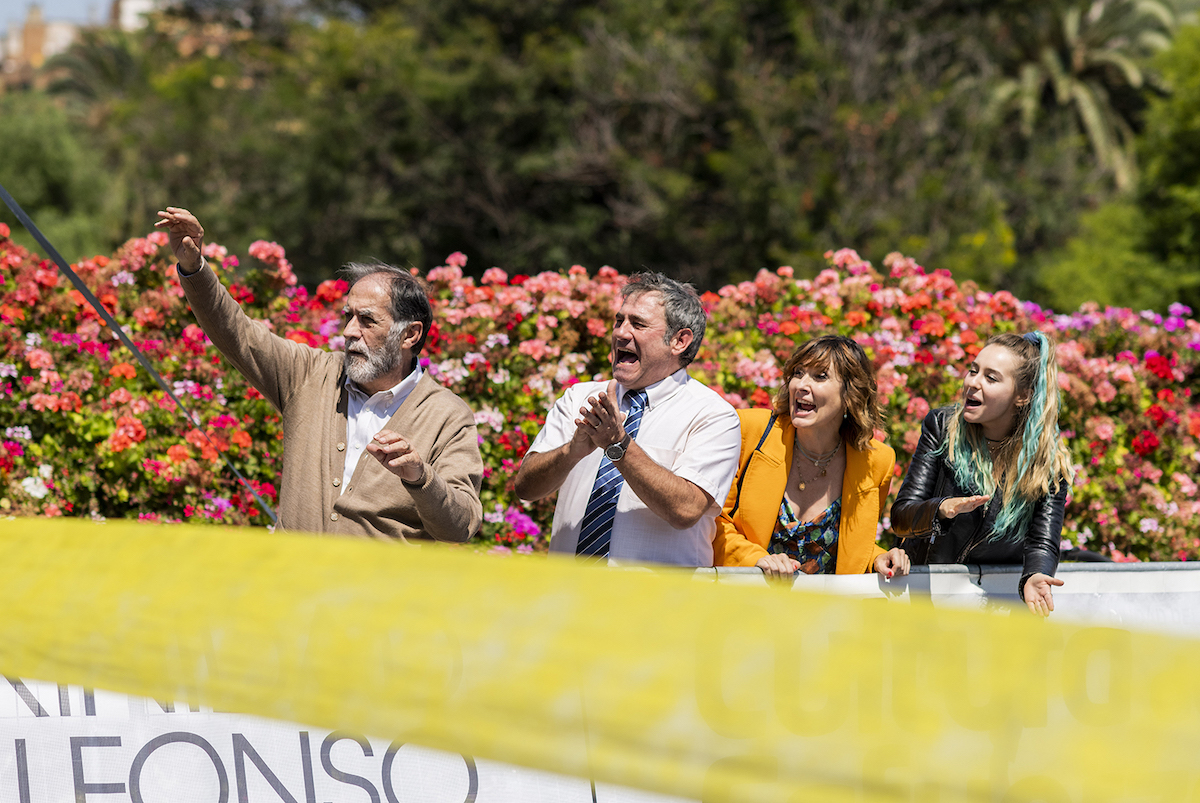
[337, 482]
[342, 447]
[333, 517]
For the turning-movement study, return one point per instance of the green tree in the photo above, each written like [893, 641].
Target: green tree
[1088, 57]
[1108, 263]
[55, 177]
[1169, 195]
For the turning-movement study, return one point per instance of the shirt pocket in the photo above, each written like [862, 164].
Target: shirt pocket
[667, 458]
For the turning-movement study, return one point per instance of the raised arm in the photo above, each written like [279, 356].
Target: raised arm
[274, 365]
[186, 237]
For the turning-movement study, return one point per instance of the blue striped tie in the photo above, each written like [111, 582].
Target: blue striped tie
[595, 534]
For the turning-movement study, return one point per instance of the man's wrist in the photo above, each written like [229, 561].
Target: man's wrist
[420, 480]
[616, 451]
[179, 266]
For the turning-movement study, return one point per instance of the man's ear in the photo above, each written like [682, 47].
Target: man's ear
[412, 335]
[681, 341]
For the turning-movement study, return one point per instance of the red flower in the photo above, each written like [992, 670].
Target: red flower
[241, 294]
[1159, 365]
[331, 290]
[1156, 414]
[1145, 442]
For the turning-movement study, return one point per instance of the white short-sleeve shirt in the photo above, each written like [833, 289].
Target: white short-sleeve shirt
[686, 427]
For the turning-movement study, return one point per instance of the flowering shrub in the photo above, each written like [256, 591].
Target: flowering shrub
[88, 433]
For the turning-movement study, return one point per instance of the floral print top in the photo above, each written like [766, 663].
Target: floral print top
[812, 543]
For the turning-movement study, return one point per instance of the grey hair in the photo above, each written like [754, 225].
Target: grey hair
[409, 298]
[681, 308]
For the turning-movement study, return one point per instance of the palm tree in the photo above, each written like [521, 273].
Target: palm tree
[1086, 54]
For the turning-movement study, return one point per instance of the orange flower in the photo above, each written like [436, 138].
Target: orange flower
[123, 369]
[242, 438]
[129, 431]
[303, 337]
[69, 402]
[178, 453]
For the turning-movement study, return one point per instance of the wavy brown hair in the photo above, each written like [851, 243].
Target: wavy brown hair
[859, 391]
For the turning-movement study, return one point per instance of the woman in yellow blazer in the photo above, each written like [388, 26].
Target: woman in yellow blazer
[812, 483]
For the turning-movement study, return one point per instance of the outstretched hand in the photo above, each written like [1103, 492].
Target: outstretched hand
[951, 507]
[186, 235]
[1038, 594]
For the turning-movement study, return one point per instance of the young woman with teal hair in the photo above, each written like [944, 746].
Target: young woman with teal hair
[988, 483]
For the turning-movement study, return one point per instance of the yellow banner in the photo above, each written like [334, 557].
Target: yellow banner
[658, 681]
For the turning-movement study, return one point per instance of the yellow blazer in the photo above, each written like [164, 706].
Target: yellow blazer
[743, 535]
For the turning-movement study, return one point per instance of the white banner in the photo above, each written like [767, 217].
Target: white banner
[65, 743]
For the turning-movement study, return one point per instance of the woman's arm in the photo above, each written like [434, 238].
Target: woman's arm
[730, 546]
[915, 511]
[1042, 542]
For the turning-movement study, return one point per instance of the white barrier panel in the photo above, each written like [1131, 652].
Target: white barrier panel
[1158, 597]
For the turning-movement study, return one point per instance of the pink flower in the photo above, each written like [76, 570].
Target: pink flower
[492, 276]
[120, 396]
[265, 251]
[458, 260]
[1123, 373]
[918, 408]
[39, 358]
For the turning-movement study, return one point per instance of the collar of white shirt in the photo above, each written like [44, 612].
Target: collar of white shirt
[398, 392]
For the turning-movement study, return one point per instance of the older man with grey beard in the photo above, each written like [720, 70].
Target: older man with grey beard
[372, 445]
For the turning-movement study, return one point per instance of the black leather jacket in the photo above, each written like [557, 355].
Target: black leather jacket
[928, 538]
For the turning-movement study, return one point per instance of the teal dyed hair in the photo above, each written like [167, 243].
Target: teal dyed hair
[1032, 460]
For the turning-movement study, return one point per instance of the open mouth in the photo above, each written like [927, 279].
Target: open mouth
[972, 403]
[805, 407]
[625, 356]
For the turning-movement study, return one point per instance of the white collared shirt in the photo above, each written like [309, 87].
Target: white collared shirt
[686, 428]
[365, 417]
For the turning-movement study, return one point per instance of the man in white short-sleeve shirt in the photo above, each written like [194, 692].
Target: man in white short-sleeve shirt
[676, 471]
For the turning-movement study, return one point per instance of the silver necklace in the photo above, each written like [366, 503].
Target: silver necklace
[821, 461]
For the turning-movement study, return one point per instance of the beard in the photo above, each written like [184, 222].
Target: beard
[365, 366]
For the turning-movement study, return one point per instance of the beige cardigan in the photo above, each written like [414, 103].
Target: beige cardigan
[307, 387]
